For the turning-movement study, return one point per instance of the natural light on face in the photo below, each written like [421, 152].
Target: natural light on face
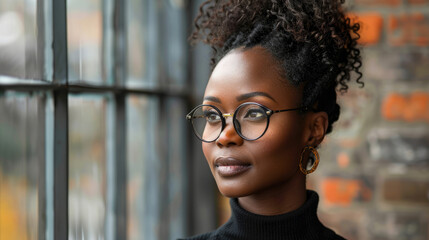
[271, 160]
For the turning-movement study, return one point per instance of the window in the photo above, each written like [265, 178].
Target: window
[21, 132]
[19, 43]
[92, 129]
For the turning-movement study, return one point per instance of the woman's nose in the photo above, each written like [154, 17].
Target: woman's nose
[229, 136]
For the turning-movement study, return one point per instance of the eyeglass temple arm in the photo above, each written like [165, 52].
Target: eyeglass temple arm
[287, 110]
[270, 112]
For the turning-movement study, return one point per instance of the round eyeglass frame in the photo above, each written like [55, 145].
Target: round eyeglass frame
[268, 112]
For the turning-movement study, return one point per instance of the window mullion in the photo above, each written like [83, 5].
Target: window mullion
[163, 148]
[61, 170]
[120, 167]
[43, 27]
[59, 216]
[116, 168]
[114, 64]
[120, 47]
[42, 168]
[59, 44]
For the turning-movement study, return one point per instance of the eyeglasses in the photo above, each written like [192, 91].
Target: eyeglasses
[250, 120]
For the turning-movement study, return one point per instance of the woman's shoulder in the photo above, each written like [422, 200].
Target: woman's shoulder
[205, 236]
[327, 234]
[330, 234]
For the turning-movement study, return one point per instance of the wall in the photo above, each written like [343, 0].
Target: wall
[373, 178]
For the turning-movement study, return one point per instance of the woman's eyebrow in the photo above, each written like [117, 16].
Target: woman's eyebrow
[212, 99]
[254, 94]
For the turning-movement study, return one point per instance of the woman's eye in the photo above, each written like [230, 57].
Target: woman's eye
[254, 114]
[212, 117]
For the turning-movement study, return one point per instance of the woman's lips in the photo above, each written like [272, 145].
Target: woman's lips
[228, 167]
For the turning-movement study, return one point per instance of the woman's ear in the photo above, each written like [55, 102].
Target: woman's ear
[318, 125]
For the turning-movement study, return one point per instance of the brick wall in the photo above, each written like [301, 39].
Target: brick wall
[373, 178]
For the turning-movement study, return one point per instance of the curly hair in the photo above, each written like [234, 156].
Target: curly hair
[313, 41]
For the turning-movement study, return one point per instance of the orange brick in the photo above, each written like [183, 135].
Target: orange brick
[371, 27]
[343, 192]
[392, 3]
[409, 108]
[393, 106]
[343, 160]
[419, 104]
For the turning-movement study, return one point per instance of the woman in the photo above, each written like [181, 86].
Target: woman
[269, 103]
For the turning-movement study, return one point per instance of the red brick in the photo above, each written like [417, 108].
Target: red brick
[408, 29]
[406, 191]
[371, 27]
[392, 3]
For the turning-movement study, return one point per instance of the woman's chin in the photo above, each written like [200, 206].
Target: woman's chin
[231, 194]
[233, 191]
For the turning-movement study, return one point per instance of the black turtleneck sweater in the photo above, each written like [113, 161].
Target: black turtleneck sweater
[301, 223]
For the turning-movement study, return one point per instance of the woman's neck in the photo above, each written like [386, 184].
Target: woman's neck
[276, 200]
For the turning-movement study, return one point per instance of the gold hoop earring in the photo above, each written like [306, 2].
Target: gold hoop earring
[315, 163]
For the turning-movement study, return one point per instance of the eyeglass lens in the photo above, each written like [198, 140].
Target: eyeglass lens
[250, 122]
[207, 123]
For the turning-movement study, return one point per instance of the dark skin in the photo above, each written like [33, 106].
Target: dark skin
[273, 184]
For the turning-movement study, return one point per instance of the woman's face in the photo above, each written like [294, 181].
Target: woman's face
[242, 168]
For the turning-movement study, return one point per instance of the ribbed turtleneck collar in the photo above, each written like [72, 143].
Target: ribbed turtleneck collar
[301, 223]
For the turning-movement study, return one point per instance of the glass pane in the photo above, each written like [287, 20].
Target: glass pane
[142, 45]
[156, 181]
[85, 32]
[177, 167]
[176, 46]
[87, 167]
[19, 56]
[21, 141]
[142, 188]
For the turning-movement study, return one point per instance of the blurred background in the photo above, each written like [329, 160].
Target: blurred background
[94, 142]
